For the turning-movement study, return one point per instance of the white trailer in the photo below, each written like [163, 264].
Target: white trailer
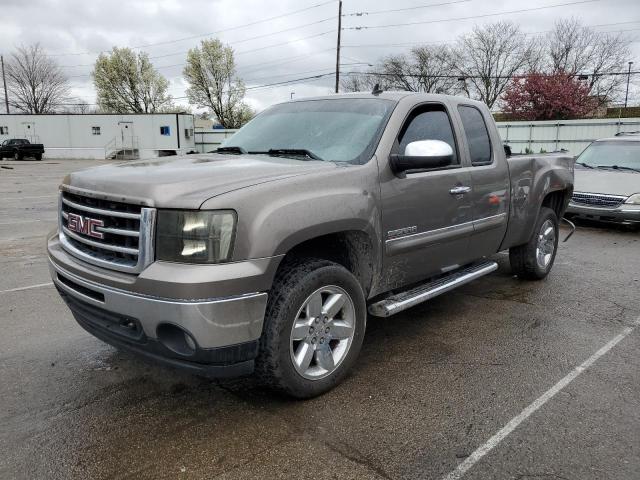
[100, 136]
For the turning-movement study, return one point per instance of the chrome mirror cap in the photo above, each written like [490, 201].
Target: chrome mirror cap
[428, 148]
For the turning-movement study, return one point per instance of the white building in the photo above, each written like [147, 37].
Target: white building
[100, 136]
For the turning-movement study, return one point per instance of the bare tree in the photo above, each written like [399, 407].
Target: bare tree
[213, 83]
[576, 49]
[426, 68]
[35, 82]
[128, 82]
[82, 107]
[361, 82]
[490, 56]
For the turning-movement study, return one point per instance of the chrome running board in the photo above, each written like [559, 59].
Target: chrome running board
[409, 298]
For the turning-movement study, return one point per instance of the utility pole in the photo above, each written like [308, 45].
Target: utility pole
[4, 81]
[626, 97]
[338, 46]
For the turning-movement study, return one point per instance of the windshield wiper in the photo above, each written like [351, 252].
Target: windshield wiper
[293, 152]
[585, 165]
[618, 167]
[232, 150]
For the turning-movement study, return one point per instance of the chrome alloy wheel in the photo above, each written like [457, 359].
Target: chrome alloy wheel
[322, 332]
[546, 244]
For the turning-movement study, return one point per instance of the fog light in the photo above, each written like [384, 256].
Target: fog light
[176, 339]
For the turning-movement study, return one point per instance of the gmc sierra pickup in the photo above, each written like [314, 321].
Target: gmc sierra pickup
[267, 255]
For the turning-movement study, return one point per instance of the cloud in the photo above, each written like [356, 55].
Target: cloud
[75, 26]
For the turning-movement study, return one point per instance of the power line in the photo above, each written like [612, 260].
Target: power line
[450, 42]
[284, 61]
[206, 34]
[466, 77]
[407, 44]
[285, 43]
[393, 10]
[254, 87]
[469, 17]
[235, 53]
[184, 52]
[242, 52]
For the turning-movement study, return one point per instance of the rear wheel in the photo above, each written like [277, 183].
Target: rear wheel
[38, 156]
[314, 327]
[534, 259]
[17, 156]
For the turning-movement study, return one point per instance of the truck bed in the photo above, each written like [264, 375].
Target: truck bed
[532, 176]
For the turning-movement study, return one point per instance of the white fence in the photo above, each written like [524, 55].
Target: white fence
[210, 139]
[551, 135]
[571, 135]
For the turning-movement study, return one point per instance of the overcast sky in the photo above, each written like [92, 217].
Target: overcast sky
[74, 31]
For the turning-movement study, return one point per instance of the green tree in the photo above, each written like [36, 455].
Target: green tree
[127, 82]
[213, 83]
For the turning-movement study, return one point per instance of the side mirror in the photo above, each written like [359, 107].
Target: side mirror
[422, 155]
[507, 150]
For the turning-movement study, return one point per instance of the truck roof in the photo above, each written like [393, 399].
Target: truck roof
[396, 96]
[622, 137]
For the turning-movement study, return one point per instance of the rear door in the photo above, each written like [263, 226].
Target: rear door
[489, 178]
[426, 224]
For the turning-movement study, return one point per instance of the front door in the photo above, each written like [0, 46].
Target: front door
[427, 216]
[29, 132]
[126, 135]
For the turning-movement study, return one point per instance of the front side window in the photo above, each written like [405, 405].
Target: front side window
[477, 135]
[428, 123]
[337, 130]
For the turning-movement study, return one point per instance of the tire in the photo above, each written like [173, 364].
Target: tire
[38, 156]
[534, 259]
[295, 286]
[17, 156]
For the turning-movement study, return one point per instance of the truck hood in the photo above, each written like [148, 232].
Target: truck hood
[609, 182]
[188, 181]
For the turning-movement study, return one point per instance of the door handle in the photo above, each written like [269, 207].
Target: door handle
[460, 190]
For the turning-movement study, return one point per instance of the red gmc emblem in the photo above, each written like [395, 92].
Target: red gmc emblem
[84, 225]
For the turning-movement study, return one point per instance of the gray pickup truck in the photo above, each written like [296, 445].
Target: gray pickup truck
[266, 255]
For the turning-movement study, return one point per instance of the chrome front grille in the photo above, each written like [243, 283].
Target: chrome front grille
[109, 234]
[598, 200]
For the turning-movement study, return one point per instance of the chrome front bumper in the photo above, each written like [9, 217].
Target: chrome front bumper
[625, 214]
[212, 323]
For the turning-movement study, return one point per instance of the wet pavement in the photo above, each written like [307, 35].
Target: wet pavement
[433, 384]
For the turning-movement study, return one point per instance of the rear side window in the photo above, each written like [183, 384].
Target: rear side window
[428, 123]
[477, 135]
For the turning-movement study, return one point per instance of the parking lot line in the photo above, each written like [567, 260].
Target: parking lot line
[19, 289]
[481, 451]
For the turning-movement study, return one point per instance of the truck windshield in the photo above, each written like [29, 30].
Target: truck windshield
[614, 155]
[339, 130]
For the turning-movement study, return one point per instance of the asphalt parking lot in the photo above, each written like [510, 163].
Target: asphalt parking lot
[502, 379]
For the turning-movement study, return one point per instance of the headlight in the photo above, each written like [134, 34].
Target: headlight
[633, 199]
[195, 236]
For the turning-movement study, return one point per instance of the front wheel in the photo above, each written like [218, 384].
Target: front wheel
[17, 156]
[314, 327]
[534, 259]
